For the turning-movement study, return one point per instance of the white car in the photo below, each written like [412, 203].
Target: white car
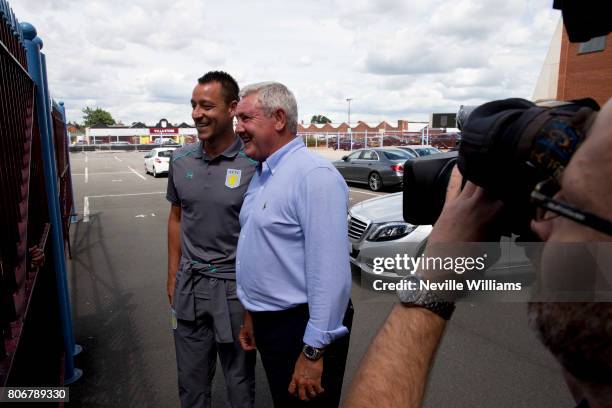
[377, 230]
[157, 161]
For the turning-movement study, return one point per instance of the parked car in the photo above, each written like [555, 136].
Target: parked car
[379, 167]
[157, 161]
[345, 144]
[395, 141]
[164, 141]
[376, 229]
[420, 150]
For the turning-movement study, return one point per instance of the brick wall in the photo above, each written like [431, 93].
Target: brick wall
[585, 75]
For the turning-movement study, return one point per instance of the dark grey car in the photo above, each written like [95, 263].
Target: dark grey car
[377, 167]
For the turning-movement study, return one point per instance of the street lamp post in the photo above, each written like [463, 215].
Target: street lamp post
[349, 110]
[349, 122]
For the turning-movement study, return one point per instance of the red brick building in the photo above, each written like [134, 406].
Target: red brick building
[585, 69]
[402, 126]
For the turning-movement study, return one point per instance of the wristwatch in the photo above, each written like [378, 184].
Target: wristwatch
[312, 353]
[426, 299]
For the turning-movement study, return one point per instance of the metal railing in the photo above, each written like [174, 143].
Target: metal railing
[358, 140]
[35, 195]
[62, 159]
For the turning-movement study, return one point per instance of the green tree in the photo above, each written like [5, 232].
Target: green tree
[97, 116]
[320, 119]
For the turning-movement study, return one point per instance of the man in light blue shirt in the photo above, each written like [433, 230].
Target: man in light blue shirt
[292, 270]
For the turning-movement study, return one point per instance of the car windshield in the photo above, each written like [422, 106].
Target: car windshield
[397, 154]
[165, 153]
[411, 153]
[426, 151]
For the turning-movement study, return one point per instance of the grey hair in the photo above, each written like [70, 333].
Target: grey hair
[272, 96]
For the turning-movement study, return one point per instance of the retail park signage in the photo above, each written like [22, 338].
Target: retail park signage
[163, 131]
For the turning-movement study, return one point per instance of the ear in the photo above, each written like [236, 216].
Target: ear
[232, 107]
[280, 120]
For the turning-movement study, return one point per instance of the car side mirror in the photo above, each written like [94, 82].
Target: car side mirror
[345, 158]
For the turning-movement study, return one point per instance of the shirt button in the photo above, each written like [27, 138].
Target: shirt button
[238, 262]
[243, 235]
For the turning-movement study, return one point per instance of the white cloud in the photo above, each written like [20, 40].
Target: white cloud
[140, 59]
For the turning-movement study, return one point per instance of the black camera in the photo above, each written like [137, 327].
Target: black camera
[506, 147]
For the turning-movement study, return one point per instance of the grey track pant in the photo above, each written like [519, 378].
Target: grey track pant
[196, 355]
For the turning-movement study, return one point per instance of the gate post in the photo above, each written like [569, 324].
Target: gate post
[33, 45]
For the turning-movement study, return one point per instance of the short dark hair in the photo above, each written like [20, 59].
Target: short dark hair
[229, 86]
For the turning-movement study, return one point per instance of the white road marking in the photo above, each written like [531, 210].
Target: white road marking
[86, 209]
[152, 214]
[85, 157]
[127, 194]
[103, 172]
[137, 173]
[116, 158]
[366, 192]
[86, 175]
[118, 180]
[86, 202]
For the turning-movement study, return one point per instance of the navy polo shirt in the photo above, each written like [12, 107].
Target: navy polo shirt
[210, 193]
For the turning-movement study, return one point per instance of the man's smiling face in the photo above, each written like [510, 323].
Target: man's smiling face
[211, 113]
[256, 129]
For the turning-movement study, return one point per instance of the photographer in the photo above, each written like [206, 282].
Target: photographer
[394, 371]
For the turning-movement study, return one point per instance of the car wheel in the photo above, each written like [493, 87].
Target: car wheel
[375, 182]
[155, 174]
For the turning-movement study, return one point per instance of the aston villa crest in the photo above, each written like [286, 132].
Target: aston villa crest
[232, 178]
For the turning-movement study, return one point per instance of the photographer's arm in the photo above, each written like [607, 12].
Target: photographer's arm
[394, 371]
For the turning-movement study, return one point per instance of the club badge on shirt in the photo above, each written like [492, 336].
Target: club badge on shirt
[232, 178]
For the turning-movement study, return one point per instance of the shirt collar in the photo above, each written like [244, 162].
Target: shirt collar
[277, 157]
[229, 153]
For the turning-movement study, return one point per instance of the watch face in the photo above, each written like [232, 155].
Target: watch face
[409, 296]
[311, 353]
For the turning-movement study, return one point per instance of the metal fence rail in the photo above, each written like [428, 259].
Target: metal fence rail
[16, 123]
[359, 140]
[62, 157]
[35, 335]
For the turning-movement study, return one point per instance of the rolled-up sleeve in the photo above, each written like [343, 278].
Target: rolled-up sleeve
[322, 203]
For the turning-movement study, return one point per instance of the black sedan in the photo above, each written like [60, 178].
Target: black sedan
[377, 167]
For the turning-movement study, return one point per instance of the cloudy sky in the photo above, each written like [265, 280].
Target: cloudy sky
[139, 59]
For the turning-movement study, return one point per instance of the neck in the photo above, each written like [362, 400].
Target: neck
[215, 146]
[282, 141]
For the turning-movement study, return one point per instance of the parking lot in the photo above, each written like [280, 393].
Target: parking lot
[121, 314]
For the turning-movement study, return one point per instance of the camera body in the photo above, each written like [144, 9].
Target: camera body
[507, 147]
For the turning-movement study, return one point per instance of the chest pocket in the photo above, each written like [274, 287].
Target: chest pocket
[277, 215]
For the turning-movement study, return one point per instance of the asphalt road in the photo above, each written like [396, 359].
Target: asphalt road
[117, 276]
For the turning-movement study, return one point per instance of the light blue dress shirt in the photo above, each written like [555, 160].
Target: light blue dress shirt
[293, 245]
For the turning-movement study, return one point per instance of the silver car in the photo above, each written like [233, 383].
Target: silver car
[377, 167]
[377, 229]
[420, 150]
